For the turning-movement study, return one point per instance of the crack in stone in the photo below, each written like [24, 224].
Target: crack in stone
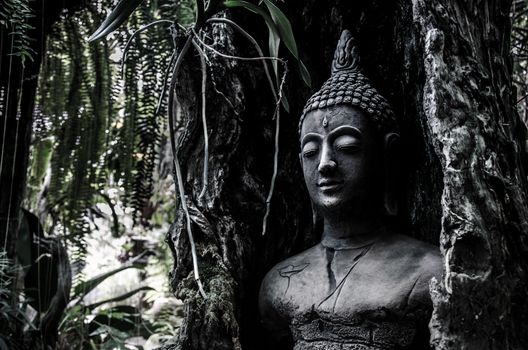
[290, 270]
[330, 253]
[339, 287]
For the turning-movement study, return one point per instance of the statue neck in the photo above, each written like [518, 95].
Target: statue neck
[350, 232]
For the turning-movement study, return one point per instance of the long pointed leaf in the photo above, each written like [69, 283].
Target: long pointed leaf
[305, 74]
[283, 26]
[119, 14]
[87, 286]
[286, 34]
[285, 103]
[273, 40]
[274, 43]
[119, 297]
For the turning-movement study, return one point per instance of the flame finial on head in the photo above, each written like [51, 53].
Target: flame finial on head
[348, 86]
[346, 56]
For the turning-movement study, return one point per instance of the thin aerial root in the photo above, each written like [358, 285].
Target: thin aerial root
[129, 42]
[6, 110]
[255, 45]
[235, 57]
[188, 224]
[176, 162]
[215, 88]
[275, 156]
[204, 122]
[278, 99]
[275, 168]
[164, 84]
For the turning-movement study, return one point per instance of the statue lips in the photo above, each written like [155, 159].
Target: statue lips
[329, 185]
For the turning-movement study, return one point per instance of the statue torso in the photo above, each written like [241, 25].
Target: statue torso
[374, 296]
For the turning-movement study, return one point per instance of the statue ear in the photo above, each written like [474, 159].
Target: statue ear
[390, 202]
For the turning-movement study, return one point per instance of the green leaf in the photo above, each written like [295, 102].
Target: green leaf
[286, 34]
[305, 74]
[119, 297]
[284, 27]
[244, 4]
[274, 43]
[274, 38]
[124, 318]
[274, 33]
[87, 286]
[119, 14]
[24, 241]
[285, 103]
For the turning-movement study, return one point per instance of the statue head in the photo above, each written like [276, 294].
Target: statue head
[347, 133]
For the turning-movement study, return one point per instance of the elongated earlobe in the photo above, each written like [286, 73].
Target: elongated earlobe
[390, 201]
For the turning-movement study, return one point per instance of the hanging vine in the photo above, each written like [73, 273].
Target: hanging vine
[279, 30]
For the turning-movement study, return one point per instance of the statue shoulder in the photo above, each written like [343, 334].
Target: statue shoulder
[293, 265]
[428, 264]
[428, 256]
[273, 302]
[426, 253]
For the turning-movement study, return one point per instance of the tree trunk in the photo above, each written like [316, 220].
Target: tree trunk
[446, 70]
[18, 86]
[476, 133]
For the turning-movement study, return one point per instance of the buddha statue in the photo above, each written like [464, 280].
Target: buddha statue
[363, 286]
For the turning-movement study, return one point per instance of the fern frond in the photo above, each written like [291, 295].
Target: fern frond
[15, 16]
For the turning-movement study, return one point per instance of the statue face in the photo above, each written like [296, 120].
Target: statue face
[341, 160]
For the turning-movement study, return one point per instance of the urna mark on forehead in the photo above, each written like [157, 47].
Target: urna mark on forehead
[323, 121]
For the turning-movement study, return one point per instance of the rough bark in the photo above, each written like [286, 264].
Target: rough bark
[477, 135]
[446, 70]
[227, 223]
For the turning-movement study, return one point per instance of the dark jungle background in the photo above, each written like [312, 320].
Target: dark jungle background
[95, 252]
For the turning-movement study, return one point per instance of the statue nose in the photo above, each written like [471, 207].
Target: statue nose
[327, 165]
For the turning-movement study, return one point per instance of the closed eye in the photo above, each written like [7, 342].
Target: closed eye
[310, 152]
[347, 143]
[349, 148]
[310, 148]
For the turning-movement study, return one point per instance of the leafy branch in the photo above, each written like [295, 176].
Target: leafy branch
[14, 16]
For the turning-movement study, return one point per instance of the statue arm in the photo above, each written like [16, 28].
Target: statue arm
[271, 307]
[431, 266]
